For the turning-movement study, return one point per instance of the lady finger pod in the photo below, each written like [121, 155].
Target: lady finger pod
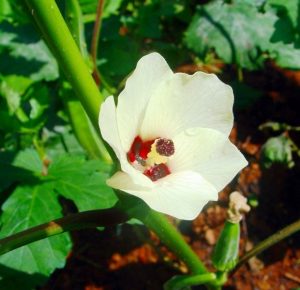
[225, 253]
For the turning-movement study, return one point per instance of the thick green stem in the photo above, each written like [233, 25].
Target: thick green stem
[174, 240]
[75, 23]
[270, 241]
[167, 233]
[63, 46]
[83, 130]
[82, 220]
[82, 127]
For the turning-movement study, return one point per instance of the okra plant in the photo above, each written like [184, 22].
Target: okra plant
[156, 143]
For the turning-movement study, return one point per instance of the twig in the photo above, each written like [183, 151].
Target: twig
[292, 277]
[95, 40]
[268, 242]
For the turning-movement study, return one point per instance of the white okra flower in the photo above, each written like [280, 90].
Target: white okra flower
[170, 133]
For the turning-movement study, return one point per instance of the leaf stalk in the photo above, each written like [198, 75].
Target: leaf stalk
[269, 242]
[82, 220]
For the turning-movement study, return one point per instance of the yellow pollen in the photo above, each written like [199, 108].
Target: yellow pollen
[154, 157]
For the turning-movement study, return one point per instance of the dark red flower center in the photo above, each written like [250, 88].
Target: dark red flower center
[157, 171]
[138, 156]
[139, 150]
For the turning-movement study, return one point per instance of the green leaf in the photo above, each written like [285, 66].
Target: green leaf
[68, 175]
[28, 159]
[13, 11]
[89, 8]
[149, 21]
[118, 58]
[111, 7]
[21, 171]
[26, 104]
[236, 31]
[23, 53]
[8, 123]
[82, 127]
[290, 7]
[5, 9]
[34, 106]
[39, 100]
[61, 141]
[24, 166]
[285, 55]
[12, 87]
[11, 279]
[83, 181]
[71, 176]
[29, 206]
[277, 150]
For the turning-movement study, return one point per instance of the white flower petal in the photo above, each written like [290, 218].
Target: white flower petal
[186, 101]
[125, 182]
[110, 133]
[196, 113]
[108, 126]
[151, 70]
[182, 194]
[208, 152]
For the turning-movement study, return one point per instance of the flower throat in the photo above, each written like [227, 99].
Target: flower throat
[151, 156]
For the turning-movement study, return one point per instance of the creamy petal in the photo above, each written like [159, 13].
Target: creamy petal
[182, 194]
[110, 133]
[108, 126]
[125, 182]
[151, 70]
[208, 152]
[186, 101]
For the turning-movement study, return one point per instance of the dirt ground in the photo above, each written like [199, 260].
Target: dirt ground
[130, 258]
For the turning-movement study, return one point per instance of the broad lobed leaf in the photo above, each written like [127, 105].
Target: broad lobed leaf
[35, 201]
[236, 32]
[247, 32]
[83, 182]
[23, 53]
[29, 206]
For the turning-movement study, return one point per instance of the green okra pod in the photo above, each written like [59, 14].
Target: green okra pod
[225, 253]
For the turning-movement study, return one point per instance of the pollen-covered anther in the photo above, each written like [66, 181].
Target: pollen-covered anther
[160, 152]
[157, 172]
[165, 147]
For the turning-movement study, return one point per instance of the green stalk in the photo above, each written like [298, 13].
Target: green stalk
[74, 21]
[63, 46]
[96, 31]
[174, 240]
[82, 220]
[95, 40]
[182, 281]
[270, 241]
[81, 125]
[167, 233]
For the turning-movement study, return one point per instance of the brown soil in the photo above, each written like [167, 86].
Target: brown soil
[130, 258]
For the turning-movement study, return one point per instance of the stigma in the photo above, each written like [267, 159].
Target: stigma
[151, 156]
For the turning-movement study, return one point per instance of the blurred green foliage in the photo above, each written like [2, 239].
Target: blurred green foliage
[43, 156]
[277, 150]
